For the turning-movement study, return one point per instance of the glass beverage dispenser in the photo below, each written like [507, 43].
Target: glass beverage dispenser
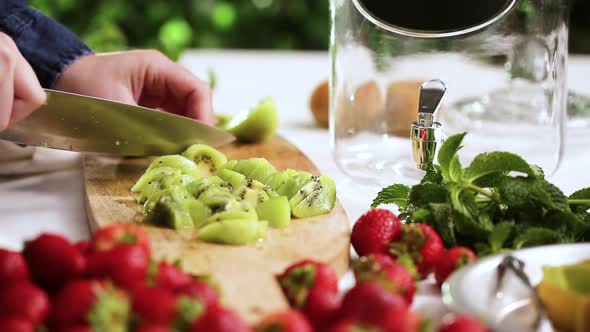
[503, 64]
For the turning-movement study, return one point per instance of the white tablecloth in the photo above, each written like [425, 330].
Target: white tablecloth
[54, 201]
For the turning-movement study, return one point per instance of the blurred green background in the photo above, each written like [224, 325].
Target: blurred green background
[174, 25]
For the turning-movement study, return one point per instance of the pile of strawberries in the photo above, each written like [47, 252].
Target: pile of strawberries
[112, 284]
[107, 284]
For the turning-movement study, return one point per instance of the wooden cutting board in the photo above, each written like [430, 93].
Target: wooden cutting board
[246, 275]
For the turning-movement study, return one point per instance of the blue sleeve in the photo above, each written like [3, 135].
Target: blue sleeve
[47, 45]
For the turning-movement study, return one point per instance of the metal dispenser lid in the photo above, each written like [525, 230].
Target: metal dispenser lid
[426, 134]
[433, 19]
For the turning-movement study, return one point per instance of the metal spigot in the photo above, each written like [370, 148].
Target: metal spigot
[426, 133]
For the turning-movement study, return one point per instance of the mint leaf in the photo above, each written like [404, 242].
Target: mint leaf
[578, 198]
[537, 236]
[424, 194]
[500, 235]
[524, 193]
[433, 175]
[455, 170]
[441, 220]
[581, 194]
[558, 198]
[447, 152]
[496, 162]
[396, 194]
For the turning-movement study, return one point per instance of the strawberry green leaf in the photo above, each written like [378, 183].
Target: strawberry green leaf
[189, 310]
[497, 162]
[396, 194]
[110, 312]
[447, 152]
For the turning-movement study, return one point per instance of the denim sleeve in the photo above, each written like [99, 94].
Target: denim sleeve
[47, 45]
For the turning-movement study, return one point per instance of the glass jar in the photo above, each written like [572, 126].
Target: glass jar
[503, 62]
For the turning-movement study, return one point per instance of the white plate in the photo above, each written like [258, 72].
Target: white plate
[471, 289]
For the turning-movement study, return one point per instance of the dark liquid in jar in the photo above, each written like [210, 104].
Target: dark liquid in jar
[435, 15]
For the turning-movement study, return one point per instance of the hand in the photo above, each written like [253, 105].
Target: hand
[146, 78]
[20, 90]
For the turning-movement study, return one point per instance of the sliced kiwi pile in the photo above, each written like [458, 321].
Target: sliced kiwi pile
[230, 202]
[259, 123]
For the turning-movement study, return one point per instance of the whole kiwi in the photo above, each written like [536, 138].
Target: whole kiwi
[401, 106]
[319, 103]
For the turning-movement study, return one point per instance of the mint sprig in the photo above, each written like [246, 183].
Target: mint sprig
[499, 202]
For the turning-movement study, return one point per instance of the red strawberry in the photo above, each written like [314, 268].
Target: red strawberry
[16, 324]
[83, 247]
[462, 324]
[373, 232]
[25, 300]
[393, 277]
[53, 261]
[288, 321]
[422, 244]
[76, 329]
[170, 277]
[382, 260]
[153, 328]
[126, 265]
[90, 303]
[219, 319]
[351, 326]
[311, 287]
[452, 260]
[12, 267]
[120, 233]
[155, 305]
[201, 291]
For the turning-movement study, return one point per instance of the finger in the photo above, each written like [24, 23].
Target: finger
[7, 59]
[182, 93]
[28, 93]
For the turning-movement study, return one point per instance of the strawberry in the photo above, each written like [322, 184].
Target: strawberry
[422, 244]
[288, 321]
[170, 307]
[12, 267]
[369, 304]
[25, 300]
[461, 323]
[83, 247]
[391, 275]
[53, 261]
[219, 319]
[76, 329]
[351, 326]
[170, 277]
[126, 265]
[16, 324]
[311, 287]
[117, 234]
[155, 305]
[90, 303]
[201, 291]
[153, 328]
[373, 232]
[452, 260]
[382, 260]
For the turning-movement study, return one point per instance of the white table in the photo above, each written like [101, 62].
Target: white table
[54, 201]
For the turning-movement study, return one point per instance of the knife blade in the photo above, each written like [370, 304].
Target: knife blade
[80, 123]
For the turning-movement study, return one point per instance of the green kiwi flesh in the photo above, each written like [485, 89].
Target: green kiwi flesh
[316, 198]
[207, 158]
[233, 231]
[258, 124]
[186, 166]
[276, 211]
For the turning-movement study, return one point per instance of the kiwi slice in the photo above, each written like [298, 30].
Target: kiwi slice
[196, 188]
[235, 211]
[169, 212]
[255, 168]
[278, 179]
[250, 195]
[297, 181]
[257, 124]
[315, 198]
[178, 193]
[229, 165]
[198, 211]
[157, 179]
[233, 231]
[276, 211]
[207, 158]
[217, 198]
[186, 166]
[235, 179]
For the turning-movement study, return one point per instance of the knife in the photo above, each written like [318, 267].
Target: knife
[80, 123]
